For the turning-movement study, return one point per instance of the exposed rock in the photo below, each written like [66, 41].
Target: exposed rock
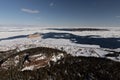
[35, 35]
[35, 57]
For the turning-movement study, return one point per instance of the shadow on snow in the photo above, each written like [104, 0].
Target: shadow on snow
[102, 42]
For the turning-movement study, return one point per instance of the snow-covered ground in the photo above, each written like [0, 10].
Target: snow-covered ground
[14, 31]
[7, 43]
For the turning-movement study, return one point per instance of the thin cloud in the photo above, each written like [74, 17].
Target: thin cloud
[117, 16]
[51, 4]
[30, 11]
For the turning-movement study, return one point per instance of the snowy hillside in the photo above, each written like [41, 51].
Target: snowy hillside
[47, 63]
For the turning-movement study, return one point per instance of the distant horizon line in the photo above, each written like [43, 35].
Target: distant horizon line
[35, 25]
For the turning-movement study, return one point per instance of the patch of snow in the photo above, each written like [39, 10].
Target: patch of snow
[42, 57]
[28, 68]
[56, 58]
[37, 55]
[114, 58]
[16, 60]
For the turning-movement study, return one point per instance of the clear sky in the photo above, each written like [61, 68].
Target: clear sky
[60, 12]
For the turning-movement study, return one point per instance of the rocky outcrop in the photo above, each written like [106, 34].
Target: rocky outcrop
[32, 59]
[35, 35]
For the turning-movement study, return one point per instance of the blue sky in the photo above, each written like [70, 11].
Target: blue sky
[60, 12]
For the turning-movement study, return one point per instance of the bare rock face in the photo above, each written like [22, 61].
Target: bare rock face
[35, 35]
